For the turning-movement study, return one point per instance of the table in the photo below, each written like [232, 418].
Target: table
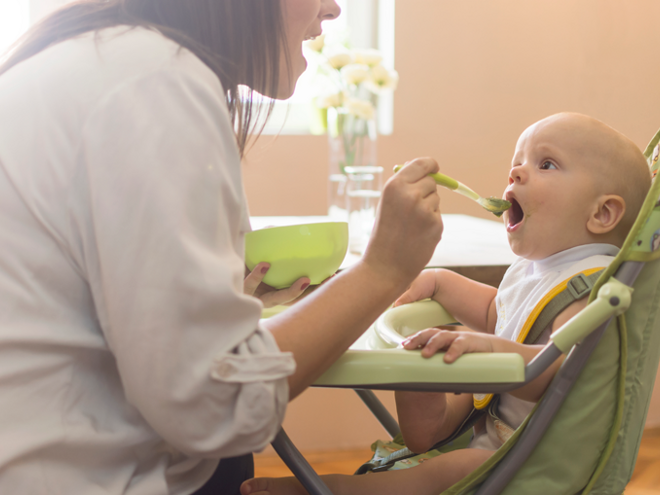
[471, 246]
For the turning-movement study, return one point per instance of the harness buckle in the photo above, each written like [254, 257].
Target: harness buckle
[579, 286]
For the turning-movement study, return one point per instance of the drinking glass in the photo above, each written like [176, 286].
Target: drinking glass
[363, 190]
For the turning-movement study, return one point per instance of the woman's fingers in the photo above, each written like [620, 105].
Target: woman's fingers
[253, 285]
[416, 172]
[254, 278]
[408, 225]
[419, 168]
[416, 175]
[284, 296]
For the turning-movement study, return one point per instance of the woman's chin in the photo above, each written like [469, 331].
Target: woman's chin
[284, 94]
[287, 85]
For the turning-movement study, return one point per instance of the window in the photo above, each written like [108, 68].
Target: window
[16, 16]
[14, 20]
[363, 23]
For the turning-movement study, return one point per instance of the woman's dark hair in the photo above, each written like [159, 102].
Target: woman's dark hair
[239, 40]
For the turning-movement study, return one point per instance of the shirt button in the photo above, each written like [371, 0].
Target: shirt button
[225, 370]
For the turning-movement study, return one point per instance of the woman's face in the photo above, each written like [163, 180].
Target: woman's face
[302, 21]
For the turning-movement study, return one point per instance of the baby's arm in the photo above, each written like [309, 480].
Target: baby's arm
[535, 389]
[471, 303]
[427, 418]
[455, 344]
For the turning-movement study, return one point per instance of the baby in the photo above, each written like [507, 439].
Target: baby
[576, 186]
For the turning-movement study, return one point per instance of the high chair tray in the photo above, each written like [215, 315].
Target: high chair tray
[377, 361]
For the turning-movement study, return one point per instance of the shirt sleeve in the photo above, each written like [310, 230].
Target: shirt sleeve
[161, 234]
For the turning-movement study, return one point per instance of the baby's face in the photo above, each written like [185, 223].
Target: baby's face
[551, 188]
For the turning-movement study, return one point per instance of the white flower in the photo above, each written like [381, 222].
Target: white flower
[355, 73]
[380, 79]
[316, 44]
[330, 100]
[340, 59]
[360, 108]
[369, 56]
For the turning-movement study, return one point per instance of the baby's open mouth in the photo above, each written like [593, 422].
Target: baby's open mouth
[516, 213]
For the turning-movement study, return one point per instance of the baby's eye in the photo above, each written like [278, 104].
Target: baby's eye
[548, 165]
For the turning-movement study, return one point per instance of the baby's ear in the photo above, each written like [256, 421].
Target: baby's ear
[607, 215]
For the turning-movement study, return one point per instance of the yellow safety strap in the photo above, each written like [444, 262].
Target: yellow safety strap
[482, 400]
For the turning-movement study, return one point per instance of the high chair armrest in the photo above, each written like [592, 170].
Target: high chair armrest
[613, 299]
[392, 369]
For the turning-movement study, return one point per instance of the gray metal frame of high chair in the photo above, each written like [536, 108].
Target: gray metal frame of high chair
[547, 409]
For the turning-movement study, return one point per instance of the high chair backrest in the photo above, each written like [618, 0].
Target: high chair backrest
[591, 444]
[643, 322]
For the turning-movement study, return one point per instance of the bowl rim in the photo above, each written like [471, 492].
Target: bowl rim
[274, 227]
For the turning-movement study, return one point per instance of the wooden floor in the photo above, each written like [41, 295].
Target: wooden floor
[338, 461]
[645, 479]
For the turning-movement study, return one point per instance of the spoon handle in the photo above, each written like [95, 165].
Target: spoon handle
[440, 179]
[493, 205]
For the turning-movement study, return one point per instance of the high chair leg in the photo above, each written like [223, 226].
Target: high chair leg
[299, 465]
[378, 409]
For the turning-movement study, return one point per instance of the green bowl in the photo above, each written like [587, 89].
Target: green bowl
[314, 250]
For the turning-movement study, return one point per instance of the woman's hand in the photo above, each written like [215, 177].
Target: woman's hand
[408, 223]
[253, 286]
[455, 344]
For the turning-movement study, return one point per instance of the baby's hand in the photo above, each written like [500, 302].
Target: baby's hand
[423, 287]
[455, 344]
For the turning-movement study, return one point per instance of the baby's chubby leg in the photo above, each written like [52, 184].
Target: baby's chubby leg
[429, 478]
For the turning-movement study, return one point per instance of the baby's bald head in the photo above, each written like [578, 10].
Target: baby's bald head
[618, 166]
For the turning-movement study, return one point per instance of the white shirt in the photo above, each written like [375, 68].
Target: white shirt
[130, 360]
[524, 284]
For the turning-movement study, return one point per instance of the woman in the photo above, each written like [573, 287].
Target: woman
[130, 359]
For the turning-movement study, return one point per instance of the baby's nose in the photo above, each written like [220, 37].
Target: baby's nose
[515, 174]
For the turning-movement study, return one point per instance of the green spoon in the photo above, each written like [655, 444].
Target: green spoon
[496, 206]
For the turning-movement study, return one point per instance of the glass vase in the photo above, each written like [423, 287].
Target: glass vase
[352, 142]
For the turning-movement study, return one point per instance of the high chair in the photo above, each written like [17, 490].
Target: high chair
[584, 433]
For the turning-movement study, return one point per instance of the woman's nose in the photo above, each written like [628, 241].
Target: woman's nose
[330, 10]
